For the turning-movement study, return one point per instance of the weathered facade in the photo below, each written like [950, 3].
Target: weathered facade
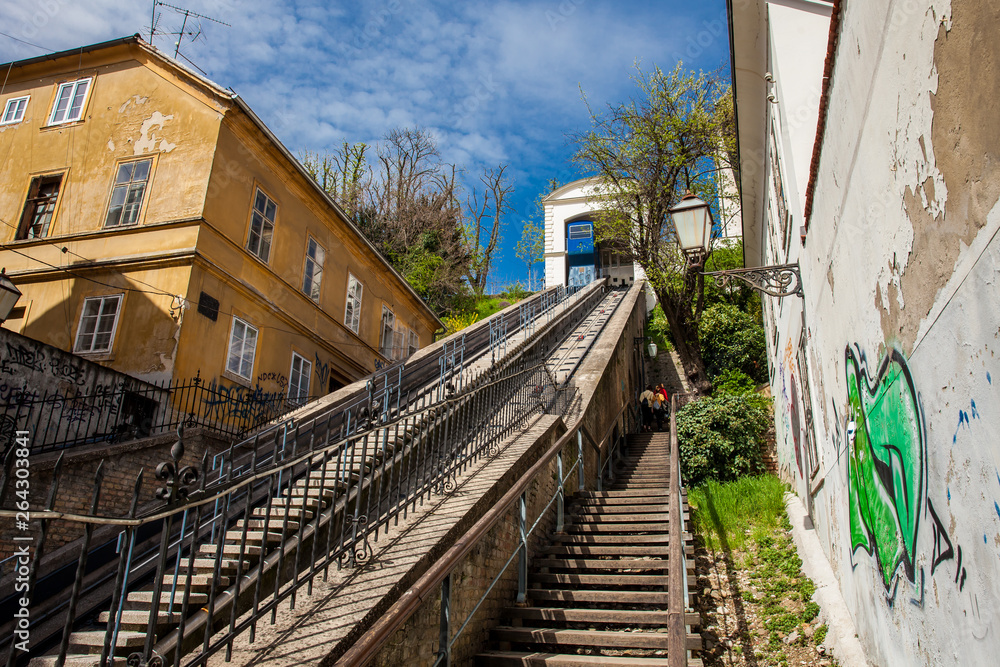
[156, 226]
[869, 153]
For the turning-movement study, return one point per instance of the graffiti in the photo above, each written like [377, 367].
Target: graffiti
[379, 364]
[15, 396]
[20, 357]
[276, 378]
[887, 462]
[248, 404]
[322, 371]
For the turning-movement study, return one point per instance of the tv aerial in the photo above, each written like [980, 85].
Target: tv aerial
[183, 32]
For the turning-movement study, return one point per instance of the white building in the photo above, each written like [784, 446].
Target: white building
[572, 257]
[870, 156]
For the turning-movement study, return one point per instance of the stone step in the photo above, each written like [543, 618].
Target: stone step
[92, 641]
[617, 527]
[230, 549]
[138, 621]
[574, 579]
[618, 597]
[274, 523]
[610, 539]
[198, 582]
[628, 617]
[143, 599]
[517, 659]
[597, 564]
[603, 638]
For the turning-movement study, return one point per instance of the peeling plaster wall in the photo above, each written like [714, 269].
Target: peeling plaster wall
[900, 272]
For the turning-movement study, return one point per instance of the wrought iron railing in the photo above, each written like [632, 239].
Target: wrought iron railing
[129, 410]
[247, 529]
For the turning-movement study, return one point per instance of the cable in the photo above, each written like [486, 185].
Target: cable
[37, 46]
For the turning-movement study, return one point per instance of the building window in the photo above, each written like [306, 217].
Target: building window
[387, 333]
[352, 312]
[315, 257]
[261, 225]
[39, 207]
[399, 340]
[127, 194]
[14, 111]
[580, 231]
[242, 347]
[414, 344]
[97, 324]
[298, 380]
[69, 101]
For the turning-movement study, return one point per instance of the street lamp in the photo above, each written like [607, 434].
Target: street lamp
[9, 294]
[693, 221]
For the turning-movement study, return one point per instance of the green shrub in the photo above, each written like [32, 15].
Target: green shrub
[732, 339]
[515, 292]
[658, 329]
[721, 436]
[458, 321]
[734, 381]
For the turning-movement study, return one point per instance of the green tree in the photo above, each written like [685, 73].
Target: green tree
[732, 340]
[531, 247]
[721, 436]
[647, 152]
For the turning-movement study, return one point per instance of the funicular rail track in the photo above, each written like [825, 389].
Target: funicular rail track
[301, 496]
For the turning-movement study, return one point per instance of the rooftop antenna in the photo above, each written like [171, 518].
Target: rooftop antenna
[183, 31]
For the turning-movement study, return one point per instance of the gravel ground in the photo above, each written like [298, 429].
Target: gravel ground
[756, 609]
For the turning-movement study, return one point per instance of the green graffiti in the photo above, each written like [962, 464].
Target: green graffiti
[886, 462]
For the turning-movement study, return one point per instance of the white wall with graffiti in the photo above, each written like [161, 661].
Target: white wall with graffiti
[886, 374]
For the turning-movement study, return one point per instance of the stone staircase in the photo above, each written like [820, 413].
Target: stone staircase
[597, 595]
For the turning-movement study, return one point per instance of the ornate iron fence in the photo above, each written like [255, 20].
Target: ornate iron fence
[232, 537]
[126, 411]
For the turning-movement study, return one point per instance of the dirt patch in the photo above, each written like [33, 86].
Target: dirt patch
[756, 607]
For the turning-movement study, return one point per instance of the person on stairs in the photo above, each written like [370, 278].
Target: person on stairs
[646, 399]
[659, 410]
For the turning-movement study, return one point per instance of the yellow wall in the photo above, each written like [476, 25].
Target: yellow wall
[245, 161]
[208, 159]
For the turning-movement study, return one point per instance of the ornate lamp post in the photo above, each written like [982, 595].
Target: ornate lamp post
[9, 294]
[693, 221]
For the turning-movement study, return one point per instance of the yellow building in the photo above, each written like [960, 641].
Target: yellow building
[155, 225]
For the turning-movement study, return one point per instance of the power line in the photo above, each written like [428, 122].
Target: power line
[37, 46]
[155, 290]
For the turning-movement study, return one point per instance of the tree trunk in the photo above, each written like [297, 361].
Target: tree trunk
[684, 332]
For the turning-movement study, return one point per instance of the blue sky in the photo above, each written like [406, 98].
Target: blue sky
[495, 82]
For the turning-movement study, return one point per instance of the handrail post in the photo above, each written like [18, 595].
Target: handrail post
[560, 500]
[444, 637]
[522, 553]
[581, 480]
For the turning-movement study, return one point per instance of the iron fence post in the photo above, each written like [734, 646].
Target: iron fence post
[522, 555]
[560, 502]
[444, 650]
[581, 480]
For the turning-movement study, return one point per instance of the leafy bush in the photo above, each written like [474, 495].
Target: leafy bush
[658, 329]
[732, 339]
[721, 436]
[515, 292]
[734, 381]
[458, 321]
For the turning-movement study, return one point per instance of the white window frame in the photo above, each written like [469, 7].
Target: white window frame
[15, 112]
[101, 301]
[74, 90]
[312, 273]
[260, 252]
[385, 342]
[128, 187]
[398, 340]
[299, 396]
[413, 344]
[352, 308]
[243, 345]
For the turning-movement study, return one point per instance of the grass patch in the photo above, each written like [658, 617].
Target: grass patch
[726, 515]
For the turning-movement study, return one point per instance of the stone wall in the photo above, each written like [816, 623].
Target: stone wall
[120, 465]
[41, 390]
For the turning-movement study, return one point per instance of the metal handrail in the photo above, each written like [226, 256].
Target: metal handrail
[677, 574]
[427, 584]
